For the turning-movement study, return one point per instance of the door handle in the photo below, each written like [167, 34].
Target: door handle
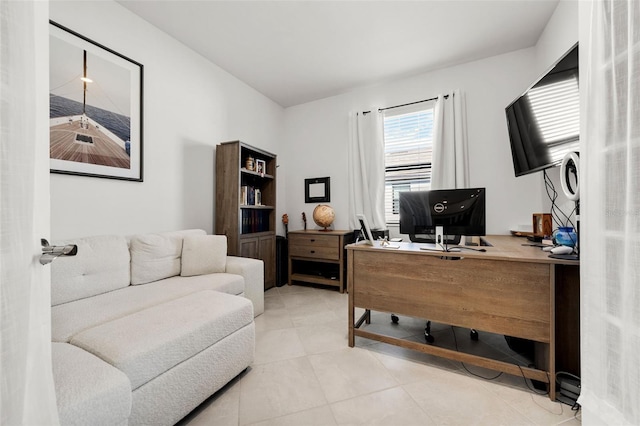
[50, 253]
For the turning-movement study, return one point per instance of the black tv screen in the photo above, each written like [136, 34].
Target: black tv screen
[544, 122]
[458, 211]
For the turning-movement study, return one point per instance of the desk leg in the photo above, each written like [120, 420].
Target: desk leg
[365, 317]
[352, 339]
[552, 333]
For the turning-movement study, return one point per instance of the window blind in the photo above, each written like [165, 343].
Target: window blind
[408, 140]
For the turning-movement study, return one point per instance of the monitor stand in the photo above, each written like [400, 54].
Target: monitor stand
[440, 244]
[448, 240]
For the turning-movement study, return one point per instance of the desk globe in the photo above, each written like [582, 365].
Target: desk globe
[323, 216]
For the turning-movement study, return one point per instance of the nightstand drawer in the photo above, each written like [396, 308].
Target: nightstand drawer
[314, 240]
[316, 252]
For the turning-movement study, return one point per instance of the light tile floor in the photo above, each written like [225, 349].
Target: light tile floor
[304, 373]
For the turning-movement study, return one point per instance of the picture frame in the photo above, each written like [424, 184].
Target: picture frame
[261, 167]
[364, 226]
[96, 108]
[317, 190]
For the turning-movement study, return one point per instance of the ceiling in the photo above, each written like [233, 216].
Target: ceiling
[298, 51]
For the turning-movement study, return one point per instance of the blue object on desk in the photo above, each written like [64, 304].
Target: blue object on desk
[566, 236]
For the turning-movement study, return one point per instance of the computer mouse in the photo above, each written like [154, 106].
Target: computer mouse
[562, 250]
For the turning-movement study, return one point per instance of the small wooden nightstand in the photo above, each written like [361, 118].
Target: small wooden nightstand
[319, 257]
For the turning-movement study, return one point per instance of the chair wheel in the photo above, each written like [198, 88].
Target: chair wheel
[428, 337]
[473, 334]
[394, 319]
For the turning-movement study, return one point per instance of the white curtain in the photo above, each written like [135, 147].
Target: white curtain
[27, 393]
[610, 226]
[450, 163]
[366, 169]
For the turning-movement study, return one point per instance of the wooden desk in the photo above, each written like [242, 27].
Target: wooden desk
[510, 289]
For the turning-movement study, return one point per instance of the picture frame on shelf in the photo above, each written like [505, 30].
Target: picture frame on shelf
[261, 167]
[96, 108]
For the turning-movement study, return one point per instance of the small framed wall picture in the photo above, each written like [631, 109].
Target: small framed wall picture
[317, 190]
[261, 166]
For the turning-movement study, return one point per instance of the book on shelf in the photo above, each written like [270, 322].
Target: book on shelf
[255, 221]
[250, 196]
[244, 195]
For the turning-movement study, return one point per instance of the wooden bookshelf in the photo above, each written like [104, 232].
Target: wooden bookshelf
[246, 203]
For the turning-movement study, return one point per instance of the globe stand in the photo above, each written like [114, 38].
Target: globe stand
[323, 216]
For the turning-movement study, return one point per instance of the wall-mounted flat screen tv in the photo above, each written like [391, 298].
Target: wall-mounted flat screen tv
[544, 122]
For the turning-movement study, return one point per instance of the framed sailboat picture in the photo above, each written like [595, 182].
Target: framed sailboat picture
[95, 108]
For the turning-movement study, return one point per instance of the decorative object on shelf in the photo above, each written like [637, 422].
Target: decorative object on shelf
[304, 219]
[323, 216]
[95, 119]
[285, 222]
[542, 224]
[249, 163]
[261, 167]
[317, 190]
[566, 236]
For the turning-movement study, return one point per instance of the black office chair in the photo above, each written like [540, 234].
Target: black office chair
[473, 334]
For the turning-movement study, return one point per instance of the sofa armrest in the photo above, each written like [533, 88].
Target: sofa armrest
[252, 270]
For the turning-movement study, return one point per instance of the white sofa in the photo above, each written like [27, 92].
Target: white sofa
[145, 328]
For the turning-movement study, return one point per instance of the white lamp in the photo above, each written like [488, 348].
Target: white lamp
[570, 181]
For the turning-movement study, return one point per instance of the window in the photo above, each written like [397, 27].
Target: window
[408, 133]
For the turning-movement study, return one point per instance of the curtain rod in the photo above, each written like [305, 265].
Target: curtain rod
[410, 103]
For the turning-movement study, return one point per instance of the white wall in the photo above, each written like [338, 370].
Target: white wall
[190, 105]
[560, 34]
[316, 133]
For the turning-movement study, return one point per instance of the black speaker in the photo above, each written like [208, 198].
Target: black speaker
[282, 261]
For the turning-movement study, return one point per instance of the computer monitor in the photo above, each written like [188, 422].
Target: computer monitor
[444, 214]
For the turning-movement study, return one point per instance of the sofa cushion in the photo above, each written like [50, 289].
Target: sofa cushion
[169, 397]
[71, 318]
[150, 342]
[203, 254]
[101, 265]
[89, 391]
[157, 256]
